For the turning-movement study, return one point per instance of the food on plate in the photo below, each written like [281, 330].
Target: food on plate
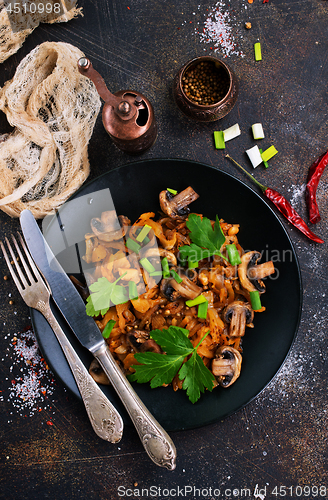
[16, 24]
[172, 295]
[53, 110]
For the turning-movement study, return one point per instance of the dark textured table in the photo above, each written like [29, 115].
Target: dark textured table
[277, 445]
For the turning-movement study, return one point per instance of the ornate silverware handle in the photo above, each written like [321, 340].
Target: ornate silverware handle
[105, 419]
[154, 438]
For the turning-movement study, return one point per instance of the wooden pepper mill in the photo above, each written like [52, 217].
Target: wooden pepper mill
[127, 115]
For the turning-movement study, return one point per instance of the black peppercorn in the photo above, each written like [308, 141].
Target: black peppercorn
[205, 83]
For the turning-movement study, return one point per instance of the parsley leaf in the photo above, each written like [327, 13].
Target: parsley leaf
[159, 369]
[103, 292]
[206, 240]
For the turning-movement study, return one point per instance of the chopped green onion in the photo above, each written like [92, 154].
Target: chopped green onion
[148, 266]
[133, 245]
[255, 300]
[156, 273]
[233, 255]
[143, 233]
[255, 156]
[257, 130]
[257, 51]
[195, 302]
[192, 265]
[231, 132]
[165, 268]
[202, 310]
[265, 163]
[269, 153]
[175, 275]
[133, 291]
[172, 191]
[219, 139]
[108, 328]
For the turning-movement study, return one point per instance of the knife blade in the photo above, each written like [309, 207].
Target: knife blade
[157, 443]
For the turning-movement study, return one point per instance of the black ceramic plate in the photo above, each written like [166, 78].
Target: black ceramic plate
[135, 190]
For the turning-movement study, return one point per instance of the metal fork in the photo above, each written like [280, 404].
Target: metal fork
[105, 420]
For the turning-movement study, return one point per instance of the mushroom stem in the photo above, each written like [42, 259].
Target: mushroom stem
[185, 197]
[238, 323]
[261, 270]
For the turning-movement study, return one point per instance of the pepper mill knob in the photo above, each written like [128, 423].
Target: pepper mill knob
[127, 115]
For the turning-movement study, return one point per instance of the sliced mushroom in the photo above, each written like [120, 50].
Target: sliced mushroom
[109, 227]
[161, 252]
[187, 288]
[97, 373]
[176, 206]
[238, 314]
[251, 273]
[140, 341]
[226, 365]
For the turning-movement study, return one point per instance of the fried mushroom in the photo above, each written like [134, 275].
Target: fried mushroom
[226, 365]
[250, 273]
[176, 206]
[238, 314]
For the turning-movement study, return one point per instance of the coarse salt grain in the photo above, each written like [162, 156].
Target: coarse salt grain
[218, 31]
[31, 381]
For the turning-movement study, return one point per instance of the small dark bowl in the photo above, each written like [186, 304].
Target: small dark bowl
[206, 112]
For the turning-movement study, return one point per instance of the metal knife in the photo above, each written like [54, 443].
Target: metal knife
[157, 443]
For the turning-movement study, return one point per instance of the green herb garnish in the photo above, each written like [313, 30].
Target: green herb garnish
[103, 292]
[206, 240]
[108, 328]
[159, 369]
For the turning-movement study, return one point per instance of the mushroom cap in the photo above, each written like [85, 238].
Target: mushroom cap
[226, 365]
[238, 306]
[248, 261]
[109, 227]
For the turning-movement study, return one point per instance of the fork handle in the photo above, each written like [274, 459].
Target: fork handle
[105, 420]
[156, 441]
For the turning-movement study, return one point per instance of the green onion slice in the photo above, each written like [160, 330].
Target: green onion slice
[202, 310]
[265, 163]
[219, 139]
[269, 153]
[172, 191]
[255, 300]
[148, 266]
[165, 268]
[257, 51]
[233, 255]
[133, 291]
[195, 302]
[133, 245]
[108, 328]
[143, 233]
[175, 275]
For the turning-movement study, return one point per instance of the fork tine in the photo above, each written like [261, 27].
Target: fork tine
[10, 267]
[29, 258]
[17, 266]
[23, 261]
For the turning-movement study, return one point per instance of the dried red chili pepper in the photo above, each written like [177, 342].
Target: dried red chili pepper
[283, 206]
[315, 172]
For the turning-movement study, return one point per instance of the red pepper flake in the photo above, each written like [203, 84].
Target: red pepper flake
[128, 8]
[265, 1]
[49, 423]
[315, 172]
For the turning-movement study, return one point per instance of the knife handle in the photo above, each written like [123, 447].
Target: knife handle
[154, 438]
[105, 420]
